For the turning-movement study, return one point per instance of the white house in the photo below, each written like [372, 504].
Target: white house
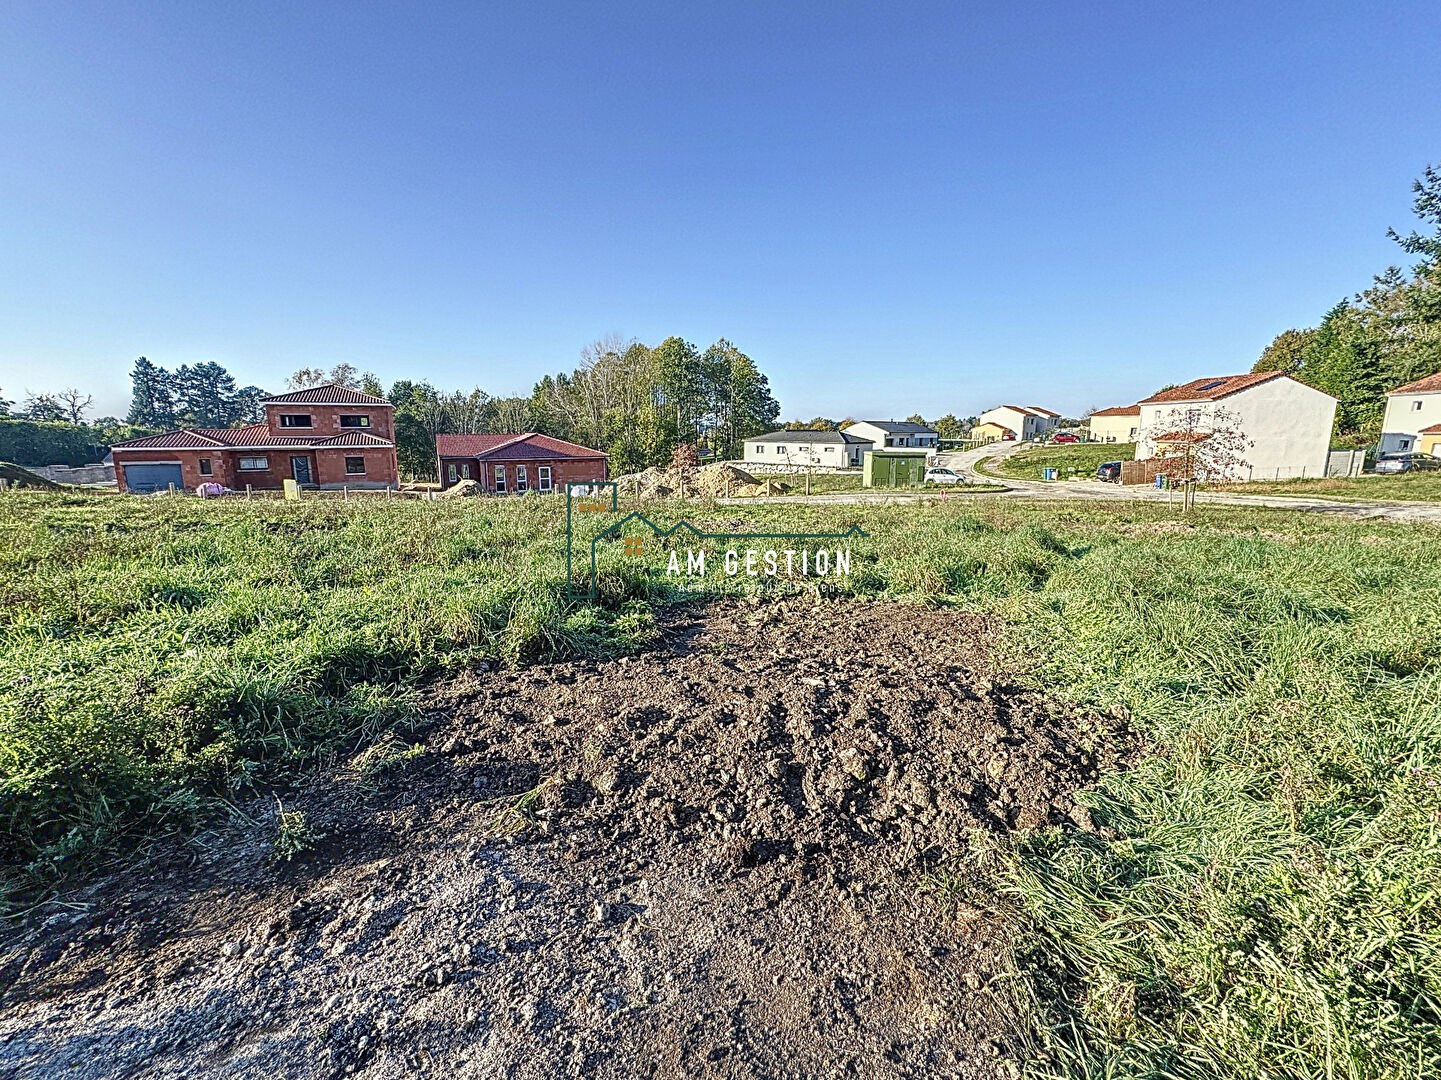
[1287, 423]
[1025, 422]
[895, 434]
[1118, 425]
[839, 449]
[1410, 410]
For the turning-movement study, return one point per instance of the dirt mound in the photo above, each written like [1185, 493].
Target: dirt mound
[464, 487]
[706, 482]
[716, 859]
[16, 476]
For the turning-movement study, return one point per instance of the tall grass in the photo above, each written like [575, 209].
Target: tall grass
[1263, 897]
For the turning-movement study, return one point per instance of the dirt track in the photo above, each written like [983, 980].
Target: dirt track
[709, 860]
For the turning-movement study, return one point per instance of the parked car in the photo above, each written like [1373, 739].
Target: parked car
[1110, 472]
[1066, 437]
[943, 476]
[1398, 463]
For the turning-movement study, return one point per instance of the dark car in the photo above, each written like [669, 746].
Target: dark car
[1397, 463]
[1110, 471]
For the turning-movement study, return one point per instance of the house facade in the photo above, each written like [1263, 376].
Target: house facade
[515, 464]
[838, 449]
[1411, 410]
[1118, 425]
[1286, 424]
[1022, 422]
[321, 437]
[895, 434]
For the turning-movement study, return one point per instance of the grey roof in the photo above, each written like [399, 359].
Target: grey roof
[898, 427]
[808, 437]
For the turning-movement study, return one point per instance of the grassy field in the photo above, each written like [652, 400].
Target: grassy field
[1268, 902]
[1415, 486]
[1085, 458]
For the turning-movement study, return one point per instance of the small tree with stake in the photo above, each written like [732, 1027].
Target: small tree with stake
[1191, 444]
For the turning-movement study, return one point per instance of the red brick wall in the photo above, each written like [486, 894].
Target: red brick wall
[380, 468]
[326, 419]
[327, 467]
[562, 471]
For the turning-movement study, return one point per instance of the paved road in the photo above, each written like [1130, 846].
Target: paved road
[965, 462]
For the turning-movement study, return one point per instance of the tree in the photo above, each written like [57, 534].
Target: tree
[346, 375]
[306, 377]
[205, 395]
[43, 407]
[684, 456]
[916, 419]
[1192, 443]
[4, 404]
[76, 404]
[245, 407]
[152, 396]
[369, 384]
[1286, 351]
[948, 427]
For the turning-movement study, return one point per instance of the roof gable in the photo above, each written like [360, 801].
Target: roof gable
[1431, 384]
[1119, 410]
[525, 446]
[328, 394]
[1212, 388]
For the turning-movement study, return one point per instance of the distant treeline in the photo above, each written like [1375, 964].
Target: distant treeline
[1386, 336]
[636, 402]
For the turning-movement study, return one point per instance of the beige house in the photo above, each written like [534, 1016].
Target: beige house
[1024, 422]
[1285, 423]
[1413, 417]
[1118, 425]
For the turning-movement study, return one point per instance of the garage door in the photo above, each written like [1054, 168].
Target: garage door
[147, 476]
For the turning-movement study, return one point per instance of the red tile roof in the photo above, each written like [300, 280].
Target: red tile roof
[1431, 384]
[1119, 410]
[1213, 388]
[250, 437]
[524, 447]
[1432, 430]
[329, 394]
[1042, 412]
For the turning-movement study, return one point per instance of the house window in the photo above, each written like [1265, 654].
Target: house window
[465, 469]
[1405, 444]
[355, 421]
[760, 449]
[543, 477]
[254, 464]
[500, 479]
[1416, 405]
[295, 420]
[450, 472]
[521, 481]
[205, 466]
[355, 466]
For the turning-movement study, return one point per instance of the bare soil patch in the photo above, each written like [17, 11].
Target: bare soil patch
[713, 859]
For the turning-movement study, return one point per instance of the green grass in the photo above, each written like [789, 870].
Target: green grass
[1085, 458]
[1413, 486]
[1268, 903]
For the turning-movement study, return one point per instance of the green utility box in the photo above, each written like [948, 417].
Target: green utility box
[893, 468]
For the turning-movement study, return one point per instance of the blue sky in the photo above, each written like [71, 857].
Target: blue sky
[892, 208]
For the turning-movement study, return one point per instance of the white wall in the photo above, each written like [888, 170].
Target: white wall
[800, 452]
[878, 437]
[1025, 425]
[1403, 421]
[1288, 423]
[1121, 429]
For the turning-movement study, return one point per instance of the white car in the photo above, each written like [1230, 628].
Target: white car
[943, 476]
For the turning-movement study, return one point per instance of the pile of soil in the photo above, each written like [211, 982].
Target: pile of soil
[464, 487]
[707, 481]
[713, 859]
[16, 476]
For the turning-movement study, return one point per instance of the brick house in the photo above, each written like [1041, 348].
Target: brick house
[324, 437]
[514, 464]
